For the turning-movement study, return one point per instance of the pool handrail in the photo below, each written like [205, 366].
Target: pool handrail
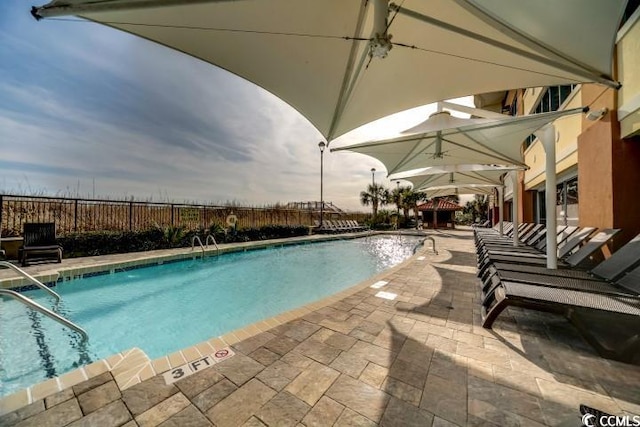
[213, 239]
[433, 242]
[193, 243]
[35, 281]
[55, 316]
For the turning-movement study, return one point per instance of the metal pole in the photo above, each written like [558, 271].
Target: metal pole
[321, 145]
[398, 207]
[514, 200]
[547, 136]
[373, 176]
[501, 209]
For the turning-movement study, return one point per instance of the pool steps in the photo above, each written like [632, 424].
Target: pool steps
[45, 311]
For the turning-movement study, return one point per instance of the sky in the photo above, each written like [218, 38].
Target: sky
[89, 111]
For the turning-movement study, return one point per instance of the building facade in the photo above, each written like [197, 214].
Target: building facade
[597, 154]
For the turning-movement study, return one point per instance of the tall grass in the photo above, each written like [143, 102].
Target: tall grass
[77, 215]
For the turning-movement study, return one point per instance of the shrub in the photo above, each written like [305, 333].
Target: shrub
[104, 243]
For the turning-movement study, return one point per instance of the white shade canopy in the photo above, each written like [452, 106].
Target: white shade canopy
[344, 63]
[449, 190]
[456, 178]
[485, 141]
[433, 170]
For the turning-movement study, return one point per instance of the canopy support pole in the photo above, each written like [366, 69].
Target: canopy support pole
[514, 207]
[547, 136]
[501, 209]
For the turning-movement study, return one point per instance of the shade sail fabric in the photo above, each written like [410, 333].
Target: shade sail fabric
[485, 141]
[315, 54]
[458, 190]
[456, 178]
[435, 170]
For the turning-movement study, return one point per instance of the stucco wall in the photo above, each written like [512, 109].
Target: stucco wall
[628, 73]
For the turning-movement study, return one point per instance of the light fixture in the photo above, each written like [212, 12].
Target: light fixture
[594, 115]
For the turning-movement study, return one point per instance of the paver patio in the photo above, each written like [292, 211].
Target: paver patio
[422, 359]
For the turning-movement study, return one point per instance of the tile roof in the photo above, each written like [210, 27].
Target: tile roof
[441, 205]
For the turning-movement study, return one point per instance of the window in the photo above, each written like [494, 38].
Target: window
[571, 191]
[632, 5]
[551, 100]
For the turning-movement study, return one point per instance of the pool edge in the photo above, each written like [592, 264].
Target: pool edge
[133, 366]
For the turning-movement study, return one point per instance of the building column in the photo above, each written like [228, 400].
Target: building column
[547, 136]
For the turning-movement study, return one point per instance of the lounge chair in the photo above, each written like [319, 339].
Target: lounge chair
[566, 259]
[611, 309]
[524, 255]
[39, 243]
[567, 256]
[529, 237]
[358, 226]
[603, 274]
[539, 240]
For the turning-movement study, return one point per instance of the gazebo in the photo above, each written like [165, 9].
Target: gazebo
[439, 213]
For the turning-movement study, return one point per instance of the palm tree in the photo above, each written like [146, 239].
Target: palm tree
[397, 198]
[411, 198]
[375, 195]
[478, 207]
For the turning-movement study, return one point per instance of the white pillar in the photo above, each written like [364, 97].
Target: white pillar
[514, 207]
[547, 136]
[501, 209]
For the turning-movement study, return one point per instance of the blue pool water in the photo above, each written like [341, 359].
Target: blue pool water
[165, 308]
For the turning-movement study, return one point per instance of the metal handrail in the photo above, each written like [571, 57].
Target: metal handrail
[433, 242]
[33, 279]
[214, 241]
[193, 243]
[34, 305]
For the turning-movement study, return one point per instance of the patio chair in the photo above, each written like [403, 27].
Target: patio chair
[534, 245]
[566, 259]
[346, 226]
[360, 227]
[590, 306]
[39, 243]
[565, 248]
[530, 236]
[606, 272]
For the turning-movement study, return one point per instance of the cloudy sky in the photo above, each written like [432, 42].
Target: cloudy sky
[86, 110]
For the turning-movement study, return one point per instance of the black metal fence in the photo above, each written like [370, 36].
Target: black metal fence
[86, 215]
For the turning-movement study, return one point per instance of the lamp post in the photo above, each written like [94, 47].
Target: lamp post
[373, 176]
[322, 146]
[398, 205]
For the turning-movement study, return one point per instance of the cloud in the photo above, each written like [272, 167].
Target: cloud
[81, 103]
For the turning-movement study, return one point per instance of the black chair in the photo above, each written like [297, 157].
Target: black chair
[39, 243]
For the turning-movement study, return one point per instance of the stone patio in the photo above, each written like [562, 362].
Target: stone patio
[422, 359]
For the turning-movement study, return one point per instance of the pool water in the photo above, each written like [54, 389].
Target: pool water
[165, 308]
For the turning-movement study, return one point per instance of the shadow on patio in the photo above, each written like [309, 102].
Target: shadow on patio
[531, 368]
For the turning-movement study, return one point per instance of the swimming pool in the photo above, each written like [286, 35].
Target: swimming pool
[165, 308]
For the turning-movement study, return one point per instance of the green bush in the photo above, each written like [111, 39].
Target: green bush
[104, 243]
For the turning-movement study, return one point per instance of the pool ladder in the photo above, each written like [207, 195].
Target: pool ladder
[195, 239]
[34, 305]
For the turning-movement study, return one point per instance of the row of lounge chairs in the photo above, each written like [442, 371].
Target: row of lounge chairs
[339, 226]
[603, 302]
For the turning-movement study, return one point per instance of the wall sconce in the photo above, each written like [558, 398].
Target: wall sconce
[594, 115]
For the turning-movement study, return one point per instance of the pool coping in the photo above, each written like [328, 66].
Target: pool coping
[133, 366]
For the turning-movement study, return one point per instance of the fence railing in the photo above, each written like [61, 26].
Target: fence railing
[86, 215]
